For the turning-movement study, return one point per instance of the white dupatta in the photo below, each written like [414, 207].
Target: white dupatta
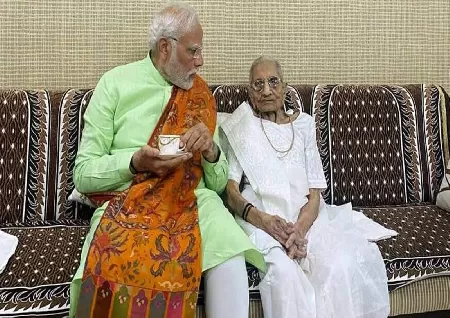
[267, 177]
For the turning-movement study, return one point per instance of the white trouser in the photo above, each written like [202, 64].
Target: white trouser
[285, 290]
[226, 289]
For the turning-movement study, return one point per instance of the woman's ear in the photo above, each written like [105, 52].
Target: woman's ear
[284, 89]
[251, 98]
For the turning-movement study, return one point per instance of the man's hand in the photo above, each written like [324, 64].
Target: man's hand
[147, 159]
[198, 138]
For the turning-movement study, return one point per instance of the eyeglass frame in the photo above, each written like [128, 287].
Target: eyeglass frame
[194, 52]
[263, 82]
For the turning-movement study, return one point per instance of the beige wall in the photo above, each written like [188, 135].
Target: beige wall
[69, 43]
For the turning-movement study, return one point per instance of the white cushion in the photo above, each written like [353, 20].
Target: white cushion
[223, 142]
[443, 197]
[81, 198]
[8, 244]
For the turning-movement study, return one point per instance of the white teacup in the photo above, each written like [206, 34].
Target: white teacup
[169, 144]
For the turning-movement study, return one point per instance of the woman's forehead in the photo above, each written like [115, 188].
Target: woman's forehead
[265, 69]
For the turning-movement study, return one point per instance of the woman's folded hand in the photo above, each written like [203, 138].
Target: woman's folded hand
[277, 227]
[296, 243]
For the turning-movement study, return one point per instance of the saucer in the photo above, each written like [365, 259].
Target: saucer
[170, 156]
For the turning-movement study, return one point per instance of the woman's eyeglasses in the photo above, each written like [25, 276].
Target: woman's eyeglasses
[272, 81]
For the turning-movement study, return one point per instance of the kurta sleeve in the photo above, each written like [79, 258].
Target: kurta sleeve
[216, 173]
[314, 168]
[96, 169]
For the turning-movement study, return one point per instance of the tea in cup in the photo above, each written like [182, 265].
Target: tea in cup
[169, 145]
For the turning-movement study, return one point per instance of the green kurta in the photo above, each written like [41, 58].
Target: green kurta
[122, 114]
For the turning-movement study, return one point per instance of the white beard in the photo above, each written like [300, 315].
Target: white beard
[176, 75]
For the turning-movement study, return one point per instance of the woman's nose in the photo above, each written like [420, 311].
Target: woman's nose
[266, 89]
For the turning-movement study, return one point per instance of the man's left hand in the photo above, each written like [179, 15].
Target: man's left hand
[198, 138]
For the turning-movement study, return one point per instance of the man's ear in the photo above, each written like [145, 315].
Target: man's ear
[164, 48]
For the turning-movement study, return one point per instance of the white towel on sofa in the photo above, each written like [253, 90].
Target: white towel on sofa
[8, 244]
[370, 229]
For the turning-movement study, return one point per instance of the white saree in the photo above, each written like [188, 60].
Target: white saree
[343, 274]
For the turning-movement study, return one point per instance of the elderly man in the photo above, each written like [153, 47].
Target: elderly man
[160, 221]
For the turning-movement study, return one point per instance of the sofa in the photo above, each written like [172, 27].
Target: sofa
[383, 147]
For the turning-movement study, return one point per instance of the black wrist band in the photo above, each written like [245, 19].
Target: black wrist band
[218, 153]
[132, 168]
[247, 208]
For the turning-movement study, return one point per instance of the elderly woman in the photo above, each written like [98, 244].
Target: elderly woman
[319, 260]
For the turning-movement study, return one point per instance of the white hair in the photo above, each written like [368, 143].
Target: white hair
[265, 59]
[173, 20]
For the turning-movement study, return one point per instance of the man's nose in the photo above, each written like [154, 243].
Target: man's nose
[199, 60]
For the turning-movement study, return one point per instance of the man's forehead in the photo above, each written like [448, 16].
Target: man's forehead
[194, 35]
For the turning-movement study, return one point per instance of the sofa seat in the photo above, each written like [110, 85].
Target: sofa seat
[422, 248]
[37, 278]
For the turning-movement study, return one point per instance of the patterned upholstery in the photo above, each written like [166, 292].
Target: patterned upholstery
[381, 147]
[24, 153]
[70, 125]
[422, 247]
[37, 277]
[373, 145]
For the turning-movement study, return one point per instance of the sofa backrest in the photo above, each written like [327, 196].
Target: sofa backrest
[39, 133]
[379, 144]
[24, 155]
[71, 109]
